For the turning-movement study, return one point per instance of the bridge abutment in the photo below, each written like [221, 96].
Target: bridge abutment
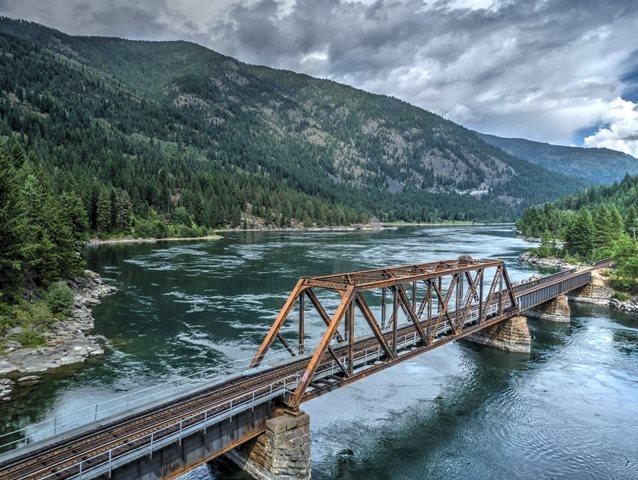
[556, 310]
[597, 291]
[281, 452]
[510, 335]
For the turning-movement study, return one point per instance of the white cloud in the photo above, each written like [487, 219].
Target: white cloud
[621, 132]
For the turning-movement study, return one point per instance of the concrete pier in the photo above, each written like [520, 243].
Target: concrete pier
[510, 335]
[281, 452]
[556, 310]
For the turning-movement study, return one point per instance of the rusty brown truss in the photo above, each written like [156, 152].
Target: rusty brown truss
[436, 299]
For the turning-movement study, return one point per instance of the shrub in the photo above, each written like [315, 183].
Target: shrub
[35, 313]
[6, 322]
[622, 296]
[143, 229]
[59, 298]
[29, 338]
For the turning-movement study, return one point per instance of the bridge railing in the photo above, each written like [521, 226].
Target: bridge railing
[98, 461]
[125, 403]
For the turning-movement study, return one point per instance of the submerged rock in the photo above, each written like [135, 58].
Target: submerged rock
[28, 380]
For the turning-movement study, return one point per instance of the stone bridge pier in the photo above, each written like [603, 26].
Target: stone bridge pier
[510, 335]
[281, 452]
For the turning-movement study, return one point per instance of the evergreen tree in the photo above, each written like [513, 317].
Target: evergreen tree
[604, 231]
[631, 218]
[580, 236]
[617, 223]
[103, 212]
[9, 227]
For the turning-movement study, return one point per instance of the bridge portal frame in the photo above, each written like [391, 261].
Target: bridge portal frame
[442, 282]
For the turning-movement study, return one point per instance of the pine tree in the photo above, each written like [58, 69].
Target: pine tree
[103, 212]
[9, 227]
[603, 228]
[631, 218]
[617, 223]
[122, 211]
[579, 238]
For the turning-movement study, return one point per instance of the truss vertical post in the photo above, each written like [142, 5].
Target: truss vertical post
[480, 310]
[302, 333]
[383, 309]
[414, 296]
[350, 325]
[395, 319]
[500, 291]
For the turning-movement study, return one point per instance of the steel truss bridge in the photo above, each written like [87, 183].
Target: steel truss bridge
[369, 320]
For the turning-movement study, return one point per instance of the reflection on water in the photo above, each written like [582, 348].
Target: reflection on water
[569, 410]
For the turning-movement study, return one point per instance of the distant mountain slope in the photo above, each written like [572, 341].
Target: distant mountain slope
[177, 125]
[594, 165]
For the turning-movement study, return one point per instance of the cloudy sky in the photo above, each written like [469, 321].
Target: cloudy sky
[563, 71]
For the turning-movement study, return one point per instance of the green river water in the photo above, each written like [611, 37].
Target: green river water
[568, 410]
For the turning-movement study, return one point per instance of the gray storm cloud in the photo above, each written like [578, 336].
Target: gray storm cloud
[538, 69]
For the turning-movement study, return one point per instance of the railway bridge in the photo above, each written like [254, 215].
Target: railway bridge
[369, 320]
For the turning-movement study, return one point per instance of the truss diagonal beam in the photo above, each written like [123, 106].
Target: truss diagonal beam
[276, 326]
[409, 312]
[374, 326]
[321, 311]
[306, 378]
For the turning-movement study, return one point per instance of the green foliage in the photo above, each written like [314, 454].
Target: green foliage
[59, 298]
[29, 338]
[622, 296]
[547, 248]
[579, 237]
[598, 230]
[33, 314]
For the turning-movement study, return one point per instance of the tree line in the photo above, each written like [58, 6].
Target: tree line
[600, 222]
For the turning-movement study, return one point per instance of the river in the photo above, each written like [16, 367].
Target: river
[568, 410]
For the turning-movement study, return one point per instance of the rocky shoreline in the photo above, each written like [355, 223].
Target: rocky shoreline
[630, 306]
[545, 262]
[67, 341]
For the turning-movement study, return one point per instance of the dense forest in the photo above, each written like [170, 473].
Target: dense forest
[600, 222]
[180, 135]
[40, 245]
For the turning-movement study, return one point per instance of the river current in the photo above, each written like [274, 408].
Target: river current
[567, 410]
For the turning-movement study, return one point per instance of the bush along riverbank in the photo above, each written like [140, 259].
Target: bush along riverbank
[50, 331]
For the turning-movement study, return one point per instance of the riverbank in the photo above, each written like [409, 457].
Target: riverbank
[113, 241]
[546, 262]
[67, 341]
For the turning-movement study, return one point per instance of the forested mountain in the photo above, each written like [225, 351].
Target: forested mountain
[175, 132]
[594, 165]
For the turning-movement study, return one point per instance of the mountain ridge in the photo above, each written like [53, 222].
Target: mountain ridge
[594, 165]
[344, 146]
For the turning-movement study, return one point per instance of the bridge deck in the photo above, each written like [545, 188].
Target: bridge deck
[103, 446]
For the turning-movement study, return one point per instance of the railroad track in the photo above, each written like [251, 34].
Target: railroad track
[106, 440]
